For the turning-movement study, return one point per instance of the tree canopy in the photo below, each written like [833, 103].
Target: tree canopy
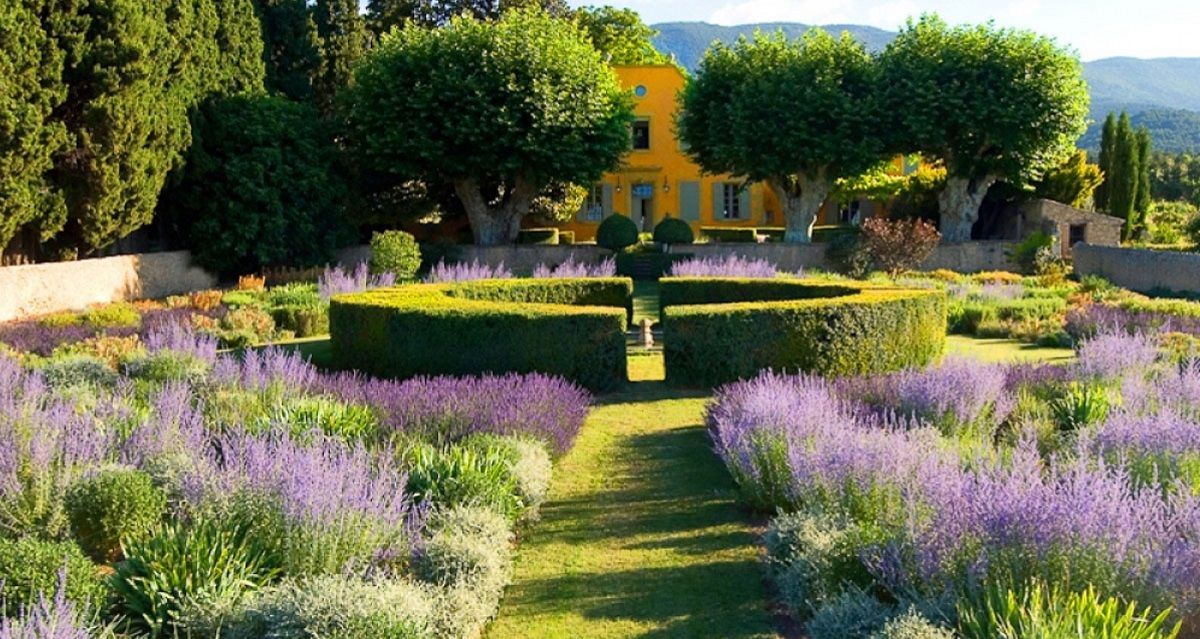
[620, 35]
[797, 114]
[992, 104]
[384, 15]
[498, 109]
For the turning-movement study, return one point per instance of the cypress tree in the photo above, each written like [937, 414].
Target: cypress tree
[384, 15]
[30, 89]
[291, 48]
[240, 66]
[1122, 194]
[1142, 201]
[1108, 140]
[343, 34]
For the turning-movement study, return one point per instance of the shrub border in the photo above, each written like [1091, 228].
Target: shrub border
[718, 330]
[574, 328]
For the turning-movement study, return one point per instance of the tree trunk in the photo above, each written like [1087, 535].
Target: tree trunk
[959, 204]
[495, 223]
[801, 197]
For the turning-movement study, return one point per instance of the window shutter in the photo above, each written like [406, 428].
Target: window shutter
[606, 200]
[581, 214]
[689, 201]
[718, 206]
[744, 203]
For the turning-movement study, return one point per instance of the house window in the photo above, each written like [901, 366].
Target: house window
[1078, 233]
[731, 205]
[849, 214]
[641, 135]
[594, 207]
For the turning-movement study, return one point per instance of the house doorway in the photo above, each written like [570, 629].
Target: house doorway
[643, 205]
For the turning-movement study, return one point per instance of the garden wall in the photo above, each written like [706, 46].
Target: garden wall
[37, 289]
[1140, 269]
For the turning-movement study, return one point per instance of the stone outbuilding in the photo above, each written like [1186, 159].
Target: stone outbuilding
[1069, 225]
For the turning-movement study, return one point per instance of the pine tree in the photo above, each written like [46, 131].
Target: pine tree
[31, 77]
[291, 48]
[343, 34]
[1123, 186]
[1142, 201]
[1108, 141]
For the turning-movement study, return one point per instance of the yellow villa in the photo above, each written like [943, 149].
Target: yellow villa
[657, 179]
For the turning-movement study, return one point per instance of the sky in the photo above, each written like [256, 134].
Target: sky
[1096, 29]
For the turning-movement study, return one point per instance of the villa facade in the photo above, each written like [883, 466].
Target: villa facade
[658, 180]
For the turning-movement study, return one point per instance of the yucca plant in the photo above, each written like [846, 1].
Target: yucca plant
[1082, 405]
[1037, 611]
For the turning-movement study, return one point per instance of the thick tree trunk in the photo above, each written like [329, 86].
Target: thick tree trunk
[959, 203]
[801, 197]
[494, 224]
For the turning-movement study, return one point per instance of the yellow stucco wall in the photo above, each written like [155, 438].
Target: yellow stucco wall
[671, 174]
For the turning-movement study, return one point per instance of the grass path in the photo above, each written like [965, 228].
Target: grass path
[641, 536]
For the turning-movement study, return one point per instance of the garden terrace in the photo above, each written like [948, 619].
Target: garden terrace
[718, 330]
[569, 327]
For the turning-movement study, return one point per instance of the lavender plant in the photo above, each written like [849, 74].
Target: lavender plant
[464, 272]
[338, 281]
[724, 266]
[571, 268]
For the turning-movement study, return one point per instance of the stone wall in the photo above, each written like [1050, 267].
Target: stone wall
[37, 289]
[1140, 269]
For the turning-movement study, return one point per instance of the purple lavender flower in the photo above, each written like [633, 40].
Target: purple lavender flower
[961, 390]
[571, 268]
[1087, 321]
[33, 337]
[1111, 355]
[465, 272]
[450, 408]
[339, 281]
[53, 619]
[725, 266]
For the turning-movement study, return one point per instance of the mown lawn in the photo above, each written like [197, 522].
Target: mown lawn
[642, 535]
[1004, 350]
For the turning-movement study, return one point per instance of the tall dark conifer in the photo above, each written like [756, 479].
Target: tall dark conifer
[1108, 141]
[1141, 203]
[1122, 194]
[291, 48]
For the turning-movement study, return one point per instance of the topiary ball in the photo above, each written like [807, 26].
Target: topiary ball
[673, 230]
[30, 566]
[616, 233]
[395, 252]
[110, 505]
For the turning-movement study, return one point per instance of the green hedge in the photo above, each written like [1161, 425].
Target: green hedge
[730, 234]
[574, 328]
[718, 330]
[566, 237]
[538, 236]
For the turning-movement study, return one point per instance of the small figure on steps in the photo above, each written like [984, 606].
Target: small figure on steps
[647, 334]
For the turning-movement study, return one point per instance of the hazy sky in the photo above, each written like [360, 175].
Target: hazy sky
[1097, 29]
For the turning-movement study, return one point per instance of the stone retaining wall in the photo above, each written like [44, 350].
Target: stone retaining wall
[37, 289]
[1140, 269]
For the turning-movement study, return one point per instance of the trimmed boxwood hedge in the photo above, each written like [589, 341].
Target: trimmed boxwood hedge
[718, 330]
[538, 236]
[730, 233]
[574, 328]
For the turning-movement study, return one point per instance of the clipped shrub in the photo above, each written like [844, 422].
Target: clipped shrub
[78, 370]
[304, 321]
[673, 230]
[849, 255]
[574, 328]
[31, 567]
[166, 366]
[334, 607]
[111, 505]
[821, 234]
[566, 237]
[729, 234]
[719, 330]
[245, 327]
[616, 233]
[221, 560]
[480, 476]
[546, 236]
[113, 316]
[395, 252]
[468, 555]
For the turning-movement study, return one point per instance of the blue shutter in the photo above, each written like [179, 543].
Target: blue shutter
[718, 202]
[689, 201]
[606, 200]
[744, 203]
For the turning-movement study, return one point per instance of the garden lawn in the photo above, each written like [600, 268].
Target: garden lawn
[1004, 350]
[635, 541]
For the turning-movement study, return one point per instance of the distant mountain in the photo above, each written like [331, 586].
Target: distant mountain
[1162, 93]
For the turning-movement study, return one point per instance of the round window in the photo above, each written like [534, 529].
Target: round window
[640, 91]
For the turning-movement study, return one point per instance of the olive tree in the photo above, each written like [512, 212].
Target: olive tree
[795, 114]
[991, 104]
[497, 109]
